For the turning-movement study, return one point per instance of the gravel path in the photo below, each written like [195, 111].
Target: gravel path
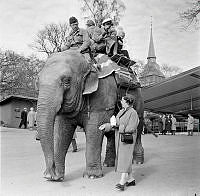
[172, 167]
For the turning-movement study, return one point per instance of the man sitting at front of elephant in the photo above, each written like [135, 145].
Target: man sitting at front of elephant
[78, 38]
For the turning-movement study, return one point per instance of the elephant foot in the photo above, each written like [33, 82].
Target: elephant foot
[58, 178]
[51, 176]
[108, 164]
[93, 174]
[47, 175]
[55, 178]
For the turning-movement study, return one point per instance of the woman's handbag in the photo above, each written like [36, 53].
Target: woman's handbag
[127, 138]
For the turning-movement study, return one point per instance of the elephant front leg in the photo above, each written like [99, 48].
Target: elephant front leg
[63, 133]
[94, 138]
[110, 150]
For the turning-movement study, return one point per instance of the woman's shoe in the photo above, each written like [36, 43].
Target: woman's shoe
[132, 183]
[120, 187]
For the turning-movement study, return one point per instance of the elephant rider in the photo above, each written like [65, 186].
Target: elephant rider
[78, 38]
[110, 36]
[107, 41]
[124, 58]
[95, 34]
[120, 43]
[103, 40]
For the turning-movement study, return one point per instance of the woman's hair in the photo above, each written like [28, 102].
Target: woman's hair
[130, 99]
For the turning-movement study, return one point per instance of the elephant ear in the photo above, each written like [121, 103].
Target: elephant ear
[91, 82]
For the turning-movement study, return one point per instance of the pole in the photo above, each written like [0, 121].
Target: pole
[191, 102]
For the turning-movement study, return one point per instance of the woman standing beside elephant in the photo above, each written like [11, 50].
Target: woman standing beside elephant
[127, 121]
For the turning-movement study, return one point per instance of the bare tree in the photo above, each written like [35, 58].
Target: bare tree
[98, 10]
[169, 71]
[190, 17]
[51, 38]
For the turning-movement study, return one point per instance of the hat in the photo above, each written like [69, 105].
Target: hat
[120, 33]
[107, 20]
[90, 23]
[130, 99]
[73, 20]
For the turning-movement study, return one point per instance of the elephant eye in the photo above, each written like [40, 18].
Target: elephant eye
[66, 82]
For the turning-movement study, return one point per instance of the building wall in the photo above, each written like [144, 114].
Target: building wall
[5, 111]
[11, 111]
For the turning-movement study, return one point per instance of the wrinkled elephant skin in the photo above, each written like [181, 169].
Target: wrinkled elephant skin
[62, 107]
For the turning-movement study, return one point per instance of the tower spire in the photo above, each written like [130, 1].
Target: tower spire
[151, 53]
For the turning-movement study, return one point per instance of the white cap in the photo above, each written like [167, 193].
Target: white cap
[107, 20]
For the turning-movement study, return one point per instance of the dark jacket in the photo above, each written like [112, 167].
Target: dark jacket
[168, 124]
[24, 115]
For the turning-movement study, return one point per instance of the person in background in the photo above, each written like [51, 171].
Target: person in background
[127, 120]
[74, 145]
[190, 125]
[160, 124]
[37, 137]
[173, 119]
[23, 118]
[163, 123]
[31, 118]
[168, 124]
[147, 125]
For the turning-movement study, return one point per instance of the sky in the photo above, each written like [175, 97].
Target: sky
[20, 21]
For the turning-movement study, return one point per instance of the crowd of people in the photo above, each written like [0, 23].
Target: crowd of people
[96, 40]
[168, 124]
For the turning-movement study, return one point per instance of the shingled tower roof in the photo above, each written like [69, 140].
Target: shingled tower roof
[151, 73]
[151, 53]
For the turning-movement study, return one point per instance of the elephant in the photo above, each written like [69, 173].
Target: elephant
[62, 106]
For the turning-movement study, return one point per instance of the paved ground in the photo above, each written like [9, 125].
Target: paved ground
[172, 167]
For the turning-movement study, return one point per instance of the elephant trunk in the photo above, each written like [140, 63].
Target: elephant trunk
[47, 108]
